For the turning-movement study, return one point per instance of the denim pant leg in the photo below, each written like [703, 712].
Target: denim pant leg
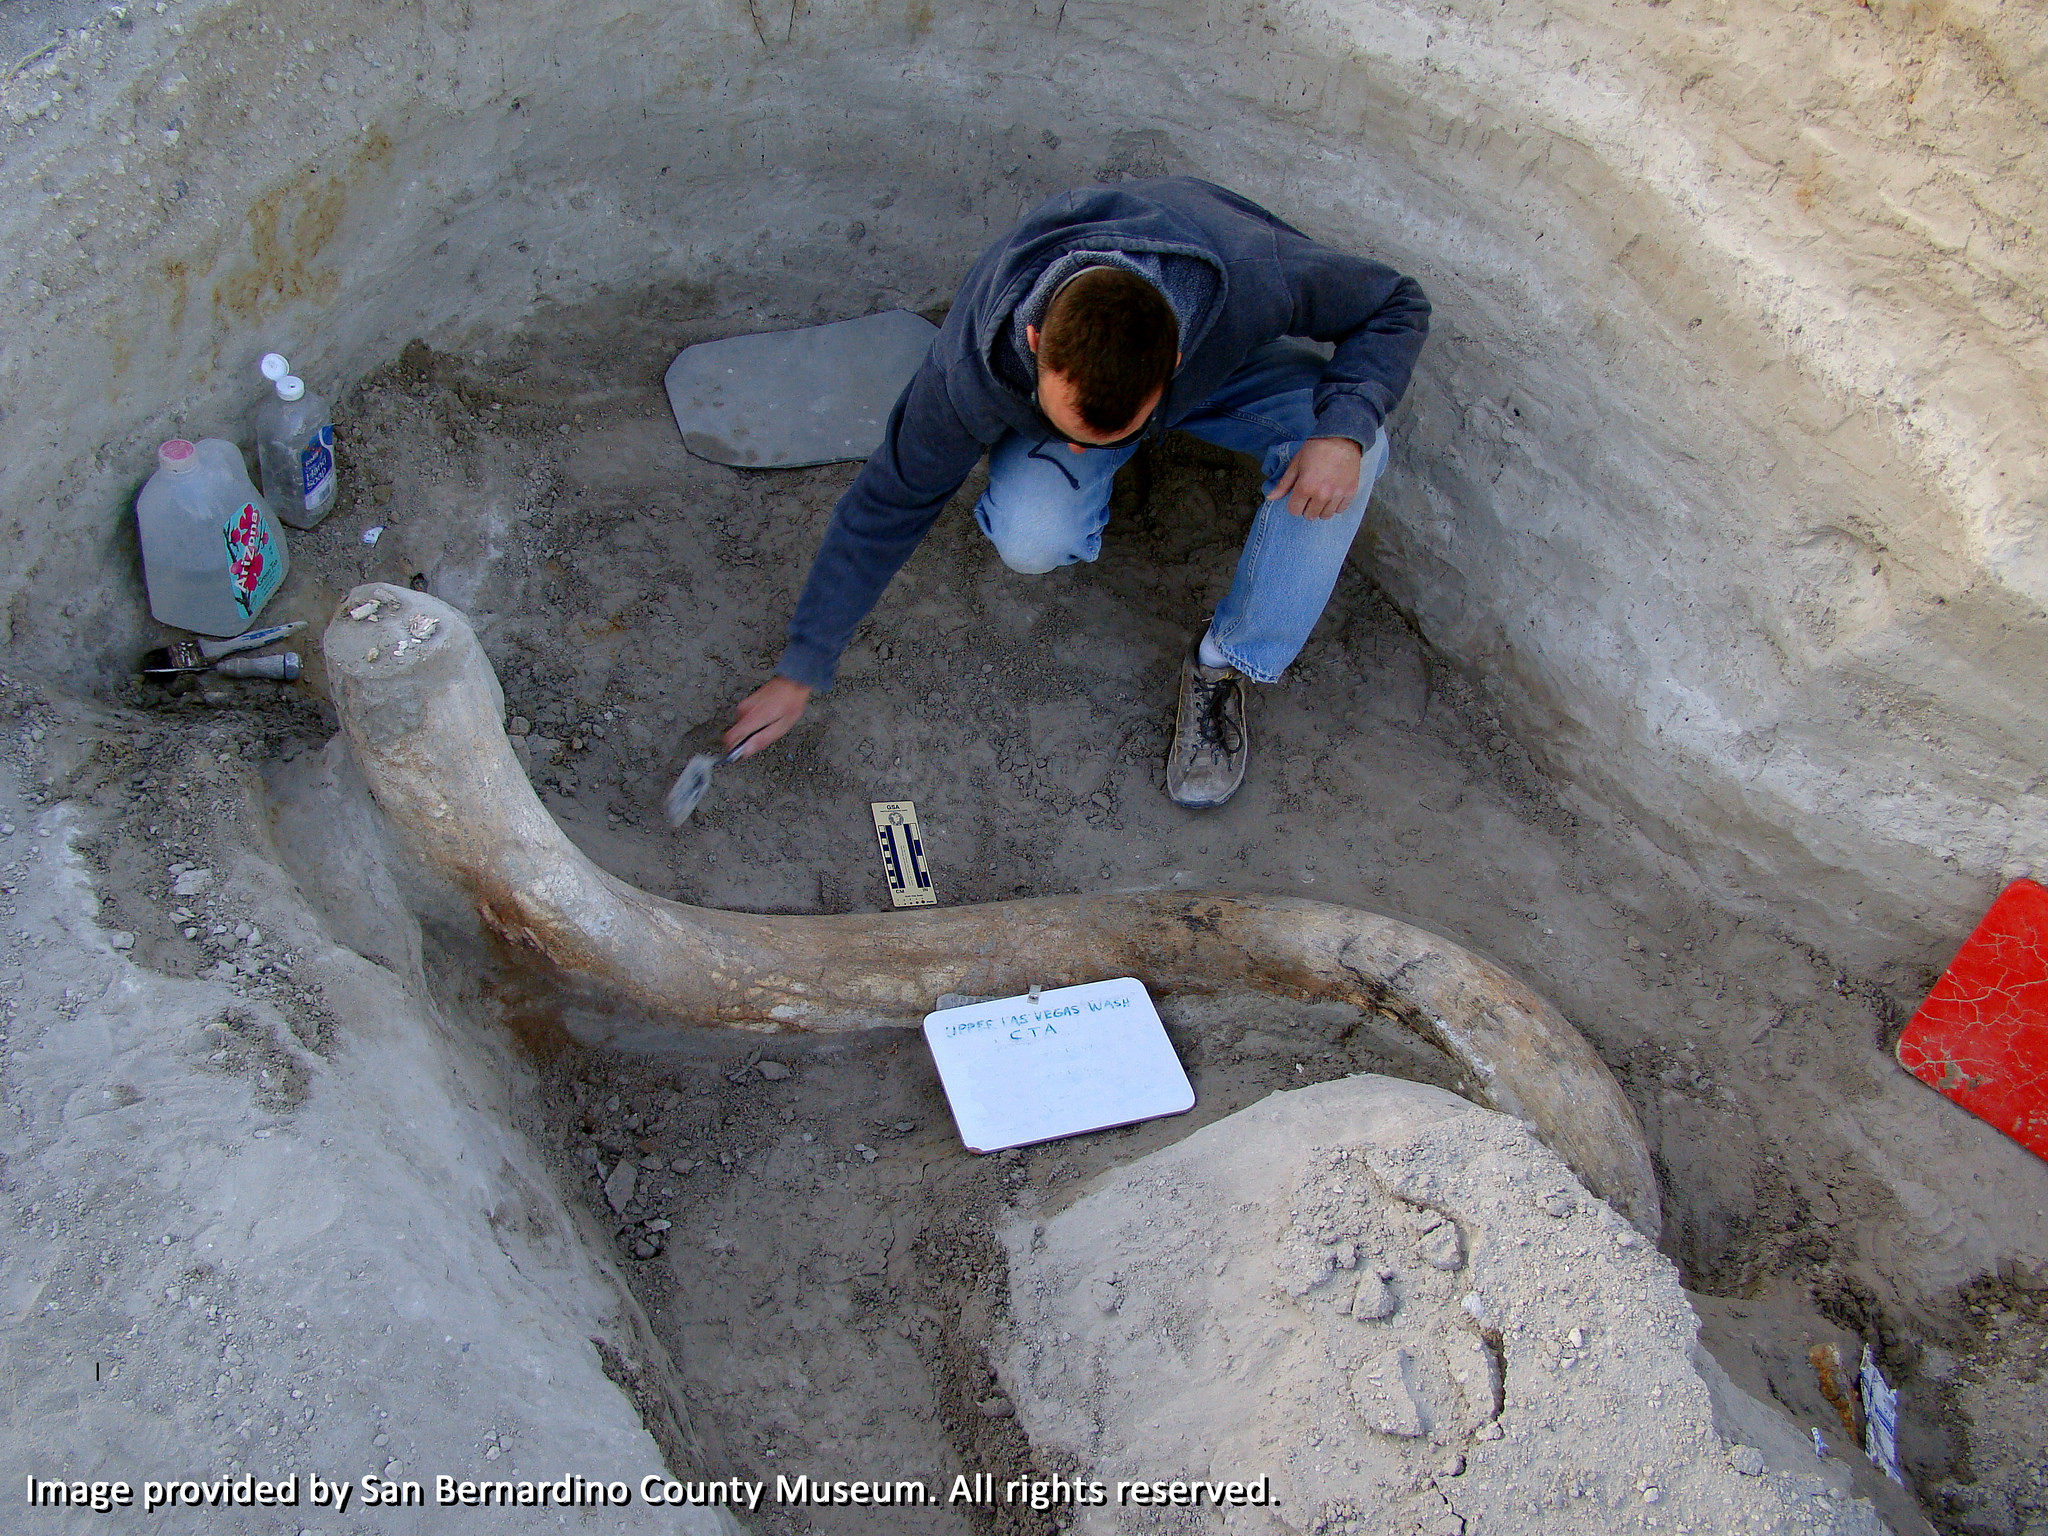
[1290, 564]
[1045, 505]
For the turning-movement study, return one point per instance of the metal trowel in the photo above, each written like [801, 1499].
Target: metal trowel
[695, 780]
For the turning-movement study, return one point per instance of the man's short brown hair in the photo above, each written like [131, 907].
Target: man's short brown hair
[1113, 336]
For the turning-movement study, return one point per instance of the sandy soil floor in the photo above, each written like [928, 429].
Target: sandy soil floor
[829, 1272]
[1406, 1313]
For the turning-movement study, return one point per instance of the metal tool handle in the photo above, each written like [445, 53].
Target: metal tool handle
[739, 746]
[283, 667]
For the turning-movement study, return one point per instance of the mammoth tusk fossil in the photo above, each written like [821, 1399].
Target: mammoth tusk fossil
[424, 714]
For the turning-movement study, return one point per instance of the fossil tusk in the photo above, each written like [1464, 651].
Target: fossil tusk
[427, 727]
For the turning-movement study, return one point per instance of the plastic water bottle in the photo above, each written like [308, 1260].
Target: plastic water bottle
[295, 447]
[211, 552]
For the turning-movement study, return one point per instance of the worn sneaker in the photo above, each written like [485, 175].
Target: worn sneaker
[1206, 762]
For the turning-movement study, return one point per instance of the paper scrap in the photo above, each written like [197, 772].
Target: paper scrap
[1880, 1418]
[1019, 1070]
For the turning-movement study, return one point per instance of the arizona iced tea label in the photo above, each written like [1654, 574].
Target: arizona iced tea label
[255, 564]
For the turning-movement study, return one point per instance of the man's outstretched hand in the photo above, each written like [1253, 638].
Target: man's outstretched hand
[1319, 483]
[1323, 477]
[769, 710]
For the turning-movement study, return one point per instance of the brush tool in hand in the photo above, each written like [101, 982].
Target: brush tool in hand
[200, 655]
[695, 779]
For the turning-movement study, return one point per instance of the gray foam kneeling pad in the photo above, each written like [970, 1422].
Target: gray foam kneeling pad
[782, 399]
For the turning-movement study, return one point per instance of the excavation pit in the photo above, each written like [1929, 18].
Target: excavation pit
[614, 511]
[1684, 669]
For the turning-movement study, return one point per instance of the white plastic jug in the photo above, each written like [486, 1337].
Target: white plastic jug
[211, 552]
[295, 447]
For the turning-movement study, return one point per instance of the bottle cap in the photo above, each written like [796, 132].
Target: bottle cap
[290, 387]
[274, 366]
[177, 455]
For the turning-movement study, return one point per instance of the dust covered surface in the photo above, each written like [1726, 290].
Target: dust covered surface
[819, 1254]
[224, 1139]
[1401, 1313]
[628, 594]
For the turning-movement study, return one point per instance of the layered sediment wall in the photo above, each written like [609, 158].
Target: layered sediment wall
[1724, 468]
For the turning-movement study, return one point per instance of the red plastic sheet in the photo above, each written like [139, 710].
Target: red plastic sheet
[1981, 1038]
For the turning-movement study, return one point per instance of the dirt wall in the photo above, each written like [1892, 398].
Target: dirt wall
[1724, 469]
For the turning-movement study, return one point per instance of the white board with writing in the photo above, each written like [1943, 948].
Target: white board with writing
[1078, 1059]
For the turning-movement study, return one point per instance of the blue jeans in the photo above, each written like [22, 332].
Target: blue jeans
[1046, 506]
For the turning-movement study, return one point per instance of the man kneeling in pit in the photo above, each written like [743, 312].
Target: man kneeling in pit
[1108, 317]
